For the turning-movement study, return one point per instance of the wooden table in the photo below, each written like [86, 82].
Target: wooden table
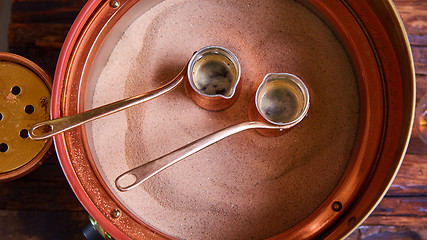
[41, 205]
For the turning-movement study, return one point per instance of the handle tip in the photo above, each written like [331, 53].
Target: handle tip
[126, 182]
[40, 131]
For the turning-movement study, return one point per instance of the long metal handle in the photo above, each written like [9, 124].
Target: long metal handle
[136, 176]
[51, 127]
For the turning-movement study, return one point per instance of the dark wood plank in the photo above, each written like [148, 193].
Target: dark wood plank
[411, 181]
[43, 189]
[421, 84]
[40, 42]
[420, 59]
[414, 17]
[38, 29]
[58, 11]
[386, 233]
[416, 145]
[40, 224]
[411, 211]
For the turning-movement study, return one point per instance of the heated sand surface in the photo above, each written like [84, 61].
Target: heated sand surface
[246, 186]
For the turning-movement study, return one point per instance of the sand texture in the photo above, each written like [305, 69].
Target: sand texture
[247, 186]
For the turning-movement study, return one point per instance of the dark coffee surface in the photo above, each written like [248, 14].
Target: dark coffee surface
[214, 75]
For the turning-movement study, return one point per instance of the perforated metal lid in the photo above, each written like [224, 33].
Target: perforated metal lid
[24, 100]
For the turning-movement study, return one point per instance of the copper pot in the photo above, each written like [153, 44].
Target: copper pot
[377, 44]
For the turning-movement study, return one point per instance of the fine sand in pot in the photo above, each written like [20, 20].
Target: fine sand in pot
[247, 186]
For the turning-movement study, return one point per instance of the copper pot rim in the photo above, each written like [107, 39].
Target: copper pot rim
[386, 121]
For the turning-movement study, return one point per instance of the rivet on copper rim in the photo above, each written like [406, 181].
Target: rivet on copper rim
[114, 3]
[352, 221]
[336, 206]
[116, 213]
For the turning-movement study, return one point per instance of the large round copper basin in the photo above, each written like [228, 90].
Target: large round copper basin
[376, 42]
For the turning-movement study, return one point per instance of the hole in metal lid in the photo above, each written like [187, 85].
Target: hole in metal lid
[23, 133]
[29, 109]
[4, 147]
[15, 90]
